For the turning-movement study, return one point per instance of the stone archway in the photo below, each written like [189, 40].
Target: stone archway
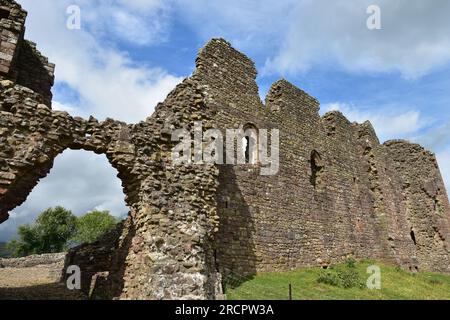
[29, 152]
[164, 249]
[79, 181]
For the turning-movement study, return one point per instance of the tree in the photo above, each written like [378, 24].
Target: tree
[4, 252]
[49, 234]
[93, 225]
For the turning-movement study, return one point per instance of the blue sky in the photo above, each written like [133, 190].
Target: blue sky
[129, 54]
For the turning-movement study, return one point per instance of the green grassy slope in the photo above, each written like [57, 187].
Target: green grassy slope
[395, 284]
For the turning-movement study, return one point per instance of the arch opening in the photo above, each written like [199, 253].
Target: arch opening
[80, 181]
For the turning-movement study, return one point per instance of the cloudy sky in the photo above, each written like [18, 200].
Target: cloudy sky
[128, 54]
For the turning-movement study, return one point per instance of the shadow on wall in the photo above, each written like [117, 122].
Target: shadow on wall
[103, 262]
[50, 291]
[116, 280]
[234, 253]
[34, 71]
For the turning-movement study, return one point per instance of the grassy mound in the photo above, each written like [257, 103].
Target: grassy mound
[344, 282]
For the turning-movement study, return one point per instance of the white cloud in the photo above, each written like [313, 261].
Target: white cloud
[141, 22]
[108, 82]
[302, 33]
[389, 122]
[436, 138]
[145, 5]
[298, 35]
[250, 25]
[58, 106]
[413, 39]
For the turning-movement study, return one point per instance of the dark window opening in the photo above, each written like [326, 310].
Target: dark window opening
[413, 269]
[250, 144]
[316, 169]
[4, 14]
[413, 237]
[226, 202]
[437, 204]
[247, 149]
[6, 107]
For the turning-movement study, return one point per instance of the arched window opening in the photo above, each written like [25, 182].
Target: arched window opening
[250, 144]
[317, 168]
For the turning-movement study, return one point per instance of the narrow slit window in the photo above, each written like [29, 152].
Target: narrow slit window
[247, 149]
[250, 144]
[317, 168]
[413, 237]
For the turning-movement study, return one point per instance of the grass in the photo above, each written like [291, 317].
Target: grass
[396, 284]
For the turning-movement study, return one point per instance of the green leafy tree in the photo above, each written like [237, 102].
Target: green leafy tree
[49, 234]
[93, 225]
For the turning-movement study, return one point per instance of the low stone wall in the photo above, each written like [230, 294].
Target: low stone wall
[34, 260]
[54, 262]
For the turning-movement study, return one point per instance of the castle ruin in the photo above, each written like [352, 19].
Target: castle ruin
[338, 191]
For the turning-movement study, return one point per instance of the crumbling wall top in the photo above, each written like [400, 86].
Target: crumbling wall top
[12, 21]
[20, 61]
[218, 55]
[221, 66]
[11, 10]
[409, 147]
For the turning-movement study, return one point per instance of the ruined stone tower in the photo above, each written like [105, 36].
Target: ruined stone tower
[192, 227]
[19, 59]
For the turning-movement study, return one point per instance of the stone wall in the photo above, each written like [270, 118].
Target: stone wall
[19, 59]
[165, 250]
[357, 204]
[338, 191]
[54, 263]
[426, 204]
[34, 71]
[173, 210]
[12, 21]
[34, 260]
[95, 261]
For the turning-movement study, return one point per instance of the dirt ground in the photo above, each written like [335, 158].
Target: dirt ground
[33, 283]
